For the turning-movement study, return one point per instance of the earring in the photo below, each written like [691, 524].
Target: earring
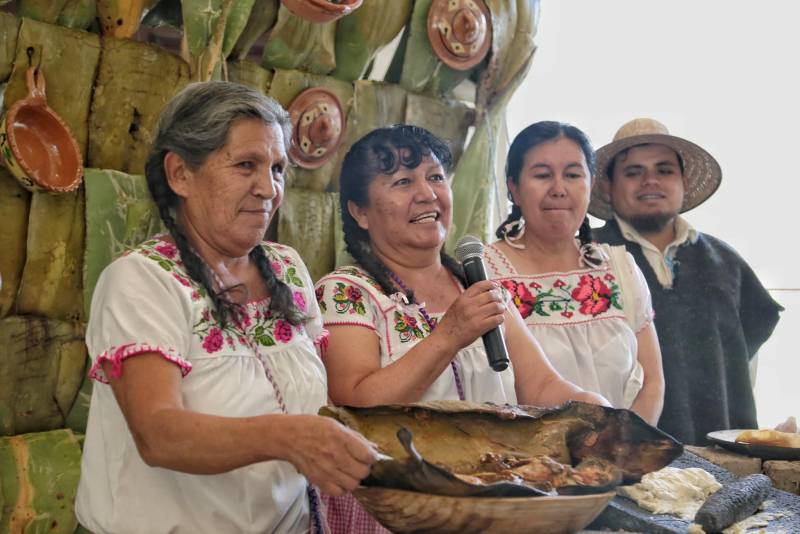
[519, 226]
[593, 256]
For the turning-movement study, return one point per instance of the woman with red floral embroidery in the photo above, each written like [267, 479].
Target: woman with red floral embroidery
[402, 328]
[587, 304]
[206, 336]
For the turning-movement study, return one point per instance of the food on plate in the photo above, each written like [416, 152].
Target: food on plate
[733, 502]
[679, 492]
[769, 437]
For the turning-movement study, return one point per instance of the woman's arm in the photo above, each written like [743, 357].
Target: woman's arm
[536, 381]
[168, 435]
[650, 400]
[353, 360]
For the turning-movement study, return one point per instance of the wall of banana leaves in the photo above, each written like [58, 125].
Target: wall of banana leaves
[110, 65]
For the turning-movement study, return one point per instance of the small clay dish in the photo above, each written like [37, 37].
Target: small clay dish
[318, 125]
[460, 32]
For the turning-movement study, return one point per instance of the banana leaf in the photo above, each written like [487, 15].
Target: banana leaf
[375, 104]
[78, 14]
[134, 82]
[286, 85]
[359, 38]
[342, 256]
[78, 414]
[15, 204]
[262, 18]
[51, 278]
[9, 28]
[211, 29]
[448, 119]
[305, 223]
[41, 371]
[423, 71]
[39, 476]
[296, 43]
[41, 10]
[465, 438]
[250, 74]
[68, 58]
[121, 18]
[120, 214]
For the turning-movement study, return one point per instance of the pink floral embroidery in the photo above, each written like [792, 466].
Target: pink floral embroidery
[182, 280]
[594, 295]
[559, 283]
[213, 341]
[117, 355]
[567, 314]
[300, 301]
[523, 299]
[167, 250]
[534, 285]
[609, 277]
[283, 331]
[277, 268]
[195, 295]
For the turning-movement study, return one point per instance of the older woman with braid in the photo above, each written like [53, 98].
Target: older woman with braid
[203, 345]
[402, 326]
[587, 304]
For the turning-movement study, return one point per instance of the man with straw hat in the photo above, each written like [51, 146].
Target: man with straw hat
[711, 312]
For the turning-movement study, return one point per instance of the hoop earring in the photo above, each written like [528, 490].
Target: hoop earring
[519, 225]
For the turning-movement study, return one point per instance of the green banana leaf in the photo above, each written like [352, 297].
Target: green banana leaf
[41, 10]
[78, 414]
[41, 371]
[120, 214]
[286, 85]
[342, 256]
[296, 43]
[359, 38]
[15, 202]
[375, 104]
[250, 74]
[262, 18]
[78, 14]
[448, 119]
[68, 59]
[305, 223]
[9, 28]
[423, 72]
[51, 278]
[134, 82]
[39, 476]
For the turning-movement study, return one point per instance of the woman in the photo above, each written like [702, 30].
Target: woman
[207, 428]
[587, 304]
[402, 326]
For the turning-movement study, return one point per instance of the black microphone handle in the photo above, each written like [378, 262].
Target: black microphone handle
[493, 340]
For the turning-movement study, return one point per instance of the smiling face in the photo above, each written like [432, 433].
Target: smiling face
[229, 200]
[647, 186]
[553, 189]
[410, 208]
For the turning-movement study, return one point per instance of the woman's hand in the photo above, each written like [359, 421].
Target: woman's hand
[476, 311]
[328, 454]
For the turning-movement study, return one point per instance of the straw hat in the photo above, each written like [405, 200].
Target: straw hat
[703, 173]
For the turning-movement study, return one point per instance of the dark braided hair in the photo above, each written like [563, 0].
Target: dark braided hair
[384, 151]
[532, 136]
[195, 123]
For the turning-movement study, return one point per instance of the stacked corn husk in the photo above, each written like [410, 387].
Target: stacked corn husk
[296, 43]
[78, 14]
[14, 205]
[250, 73]
[9, 27]
[262, 18]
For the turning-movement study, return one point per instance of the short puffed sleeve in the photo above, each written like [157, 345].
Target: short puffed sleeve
[347, 299]
[138, 307]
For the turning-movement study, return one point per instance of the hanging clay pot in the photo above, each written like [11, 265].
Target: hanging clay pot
[318, 127]
[321, 10]
[460, 32]
[36, 144]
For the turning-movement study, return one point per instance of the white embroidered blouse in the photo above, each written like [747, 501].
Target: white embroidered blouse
[584, 319]
[145, 302]
[350, 296]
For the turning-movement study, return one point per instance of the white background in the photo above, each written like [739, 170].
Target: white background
[721, 73]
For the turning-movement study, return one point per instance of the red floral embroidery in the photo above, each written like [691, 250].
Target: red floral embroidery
[559, 283]
[182, 280]
[534, 285]
[213, 341]
[167, 250]
[567, 314]
[348, 299]
[299, 301]
[408, 327]
[277, 268]
[523, 299]
[609, 277]
[283, 331]
[593, 294]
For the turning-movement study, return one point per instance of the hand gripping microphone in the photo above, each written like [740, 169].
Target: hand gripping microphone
[469, 251]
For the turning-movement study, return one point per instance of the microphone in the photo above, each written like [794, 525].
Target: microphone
[469, 251]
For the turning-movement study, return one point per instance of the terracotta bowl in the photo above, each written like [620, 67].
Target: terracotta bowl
[321, 10]
[36, 144]
[407, 511]
[460, 32]
[318, 125]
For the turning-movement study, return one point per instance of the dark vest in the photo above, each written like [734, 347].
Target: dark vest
[710, 324]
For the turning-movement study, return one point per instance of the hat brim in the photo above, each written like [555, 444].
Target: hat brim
[703, 173]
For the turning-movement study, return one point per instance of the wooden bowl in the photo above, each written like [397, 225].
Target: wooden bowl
[407, 511]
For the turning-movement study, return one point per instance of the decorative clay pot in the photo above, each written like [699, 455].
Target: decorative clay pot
[318, 127]
[36, 144]
[460, 32]
[321, 10]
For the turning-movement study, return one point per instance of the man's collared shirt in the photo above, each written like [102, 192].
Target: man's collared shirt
[663, 264]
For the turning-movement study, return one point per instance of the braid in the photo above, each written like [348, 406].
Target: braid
[515, 215]
[281, 298]
[585, 232]
[452, 265]
[358, 248]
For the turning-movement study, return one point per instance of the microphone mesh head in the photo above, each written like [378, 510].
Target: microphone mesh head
[468, 247]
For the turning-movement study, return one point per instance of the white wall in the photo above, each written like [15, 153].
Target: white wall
[721, 73]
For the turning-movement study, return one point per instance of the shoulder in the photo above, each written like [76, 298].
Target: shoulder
[353, 274]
